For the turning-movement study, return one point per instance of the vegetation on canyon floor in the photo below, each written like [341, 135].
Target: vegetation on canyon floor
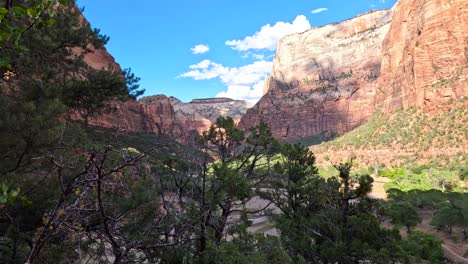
[74, 193]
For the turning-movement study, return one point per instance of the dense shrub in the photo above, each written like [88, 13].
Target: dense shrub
[424, 246]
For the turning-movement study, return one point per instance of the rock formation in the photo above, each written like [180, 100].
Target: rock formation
[212, 108]
[328, 80]
[425, 55]
[160, 114]
[155, 116]
[323, 80]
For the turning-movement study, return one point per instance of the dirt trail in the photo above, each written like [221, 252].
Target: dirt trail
[452, 250]
[453, 255]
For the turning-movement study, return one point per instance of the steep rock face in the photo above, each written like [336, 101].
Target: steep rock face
[100, 59]
[160, 114]
[323, 80]
[425, 58]
[156, 115]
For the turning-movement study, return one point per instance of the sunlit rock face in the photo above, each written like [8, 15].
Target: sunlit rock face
[212, 108]
[425, 55]
[329, 80]
[324, 80]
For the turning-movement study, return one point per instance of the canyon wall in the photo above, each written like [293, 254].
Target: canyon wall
[323, 80]
[425, 55]
[160, 114]
[328, 80]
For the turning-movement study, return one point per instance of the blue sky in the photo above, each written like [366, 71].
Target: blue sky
[206, 48]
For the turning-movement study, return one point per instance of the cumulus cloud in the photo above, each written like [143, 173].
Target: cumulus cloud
[319, 10]
[249, 93]
[244, 83]
[268, 36]
[253, 55]
[200, 49]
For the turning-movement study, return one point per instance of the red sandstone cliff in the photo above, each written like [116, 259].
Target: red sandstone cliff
[329, 80]
[160, 114]
[323, 80]
[425, 55]
[167, 115]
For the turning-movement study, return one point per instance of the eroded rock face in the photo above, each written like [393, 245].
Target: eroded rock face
[160, 114]
[425, 55]
[153, 116]
[212, 108]
[100, 59]
[323, 80]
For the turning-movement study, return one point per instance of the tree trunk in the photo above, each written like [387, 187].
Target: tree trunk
[219, 232]
[203, 217]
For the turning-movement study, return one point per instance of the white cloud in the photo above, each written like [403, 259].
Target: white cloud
[319, 10]
[205, 70]
[268, 36]
[249, 93]
[244, 83]
[258, 56]
[253, 55]
[200, 49]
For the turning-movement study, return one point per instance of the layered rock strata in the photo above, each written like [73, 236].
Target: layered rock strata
[425, 55]
[328, 80]
[323, 80]
[167, 115]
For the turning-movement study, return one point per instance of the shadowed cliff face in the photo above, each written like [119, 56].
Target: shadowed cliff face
[425, 55]
[167, 115]
[323, 80]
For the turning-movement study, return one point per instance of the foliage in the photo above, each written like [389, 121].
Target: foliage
[403, 213]
[451, 213]
[409, 129]
[409, 181]
[327, 220]
[424, 246]
[450, 208]
[50, 173]
[71, 193]
[18, 17]
[392, 173]
[420, 178]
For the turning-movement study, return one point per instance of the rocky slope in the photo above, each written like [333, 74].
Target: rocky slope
[323, 80]
[328, 80]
